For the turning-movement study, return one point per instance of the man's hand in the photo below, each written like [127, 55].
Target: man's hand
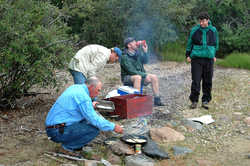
[188, 59]
[118, 129]
[145, 47]
[94, 103]
[214, 59]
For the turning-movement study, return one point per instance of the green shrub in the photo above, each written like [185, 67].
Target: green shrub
[236, 60]
[33, 44]
[108, 22]
[173, 51]
[230, 17]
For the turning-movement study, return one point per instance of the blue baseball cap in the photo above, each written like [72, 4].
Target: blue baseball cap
[118, 51]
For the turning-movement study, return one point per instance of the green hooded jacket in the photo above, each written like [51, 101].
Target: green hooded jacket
[202, 42]
[133, 64]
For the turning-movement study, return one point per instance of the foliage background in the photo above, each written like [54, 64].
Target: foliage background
[33, 44]
[39, 37]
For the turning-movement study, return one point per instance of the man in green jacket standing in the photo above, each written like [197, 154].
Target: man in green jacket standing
[202, 45]
[132, 69]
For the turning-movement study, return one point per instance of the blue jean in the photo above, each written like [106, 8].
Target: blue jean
[74, 136]
[78, 77]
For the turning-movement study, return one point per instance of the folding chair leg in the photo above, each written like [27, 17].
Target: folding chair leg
[141, 91]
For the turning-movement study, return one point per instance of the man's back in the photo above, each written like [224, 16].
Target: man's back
[89, 59]
[65, 109]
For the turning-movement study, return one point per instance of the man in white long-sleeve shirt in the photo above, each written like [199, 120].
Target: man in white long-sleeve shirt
[91, 59]
[72, 120]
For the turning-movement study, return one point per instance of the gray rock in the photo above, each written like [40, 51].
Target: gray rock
[152, 149]
[181, 150]
[248, 137]
[173, 123]
[237, 113]
[182, 128]
[121, 148]
[192, 124]
[202, 162]
[23, 163]
[224, 118]
[247, 121]
[237, 116]
[91, 163]
[106, 162]
[112, 158]
[87, 149]
[139, 160]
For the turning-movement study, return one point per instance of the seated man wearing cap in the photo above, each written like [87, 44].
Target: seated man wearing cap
[90, 59]
[132, 69]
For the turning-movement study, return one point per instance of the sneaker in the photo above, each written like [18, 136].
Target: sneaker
[193, 105]
[205, 105]
[157, 102]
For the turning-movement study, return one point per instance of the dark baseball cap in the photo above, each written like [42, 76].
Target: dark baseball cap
[128, 40]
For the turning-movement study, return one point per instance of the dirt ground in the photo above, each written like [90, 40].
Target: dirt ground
[23, 140]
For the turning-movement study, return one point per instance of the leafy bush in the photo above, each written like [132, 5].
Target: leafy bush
[33, 44]
[108, 22]
[236, 60]
[173, 51]
[104, 24]
[230, 17]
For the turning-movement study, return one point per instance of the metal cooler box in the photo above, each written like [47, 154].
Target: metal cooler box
[132, 105]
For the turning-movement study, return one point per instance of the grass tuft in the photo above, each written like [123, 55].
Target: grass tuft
[236, 60]
[175, 51]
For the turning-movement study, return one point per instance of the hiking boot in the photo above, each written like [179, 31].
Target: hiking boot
[193, 105]
[205, 105]
[69, 153]
[157, 102]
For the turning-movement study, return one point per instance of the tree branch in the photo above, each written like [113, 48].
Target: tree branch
[55, 19]
[56, 42]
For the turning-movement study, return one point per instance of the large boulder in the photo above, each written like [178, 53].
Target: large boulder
[165, 134]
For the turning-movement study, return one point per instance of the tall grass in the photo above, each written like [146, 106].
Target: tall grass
[174, 51]
[236, 60]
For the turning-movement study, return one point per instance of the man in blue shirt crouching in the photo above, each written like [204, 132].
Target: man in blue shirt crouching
[72, 120]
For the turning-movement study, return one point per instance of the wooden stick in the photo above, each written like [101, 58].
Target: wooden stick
[66, 156]
[54, 158]
[4, 118]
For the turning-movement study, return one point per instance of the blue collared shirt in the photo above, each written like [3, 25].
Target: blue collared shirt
[75, 105]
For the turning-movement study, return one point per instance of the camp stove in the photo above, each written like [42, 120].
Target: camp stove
[108, 106]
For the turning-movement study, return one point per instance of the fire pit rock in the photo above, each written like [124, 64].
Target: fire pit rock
[139, 160]
[165, 134]
[152, 149]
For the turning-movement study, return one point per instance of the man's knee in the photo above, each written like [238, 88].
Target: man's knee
[136, 78]
[151, 78]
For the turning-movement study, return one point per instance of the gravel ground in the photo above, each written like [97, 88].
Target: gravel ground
[228, 136]
[225, 142]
